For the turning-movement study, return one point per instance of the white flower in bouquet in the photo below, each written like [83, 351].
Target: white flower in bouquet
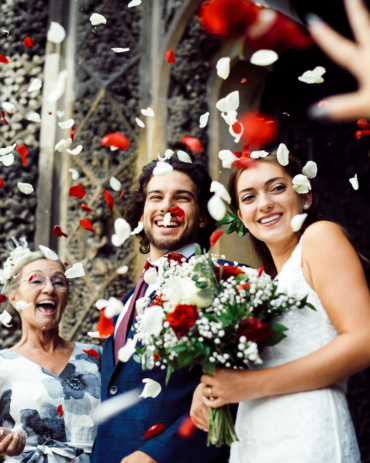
[152, 320]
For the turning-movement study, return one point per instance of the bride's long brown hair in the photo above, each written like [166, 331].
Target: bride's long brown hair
[313, 214]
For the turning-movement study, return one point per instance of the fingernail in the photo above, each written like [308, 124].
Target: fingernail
[205, 430]
[317, 112]
[313, 18]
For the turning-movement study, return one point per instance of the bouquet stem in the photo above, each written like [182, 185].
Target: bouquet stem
[221, 430]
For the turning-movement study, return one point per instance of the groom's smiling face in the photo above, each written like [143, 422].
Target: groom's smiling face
[162, 194]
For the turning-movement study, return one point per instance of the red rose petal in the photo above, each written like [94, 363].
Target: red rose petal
[23, 152]
[259, 129]
[363, 123]
[86, 225]
[73, 132]
[109, 198]
[2, 298]
[154, 431]
[1, 182]
[2, 118]
[193, 143]
[50, 113]
[237, 127]
[215, 237]
[121, 195]
[29, 42]
[91, 352]
[60, 411]
[32, 277]
[86, 208]
[360, 133]
[170, 57]
[57, 231]
[245, 163]
[123, 296]
[179, 213]
[77, 191]
[187, 428]
[66, 264]
[117, 140]
[3, 59]
[105, 325]
[243, 80]
[260, 271]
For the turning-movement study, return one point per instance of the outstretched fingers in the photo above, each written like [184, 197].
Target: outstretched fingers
[359, 19]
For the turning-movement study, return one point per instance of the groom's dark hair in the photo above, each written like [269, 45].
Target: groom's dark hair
[134, 203]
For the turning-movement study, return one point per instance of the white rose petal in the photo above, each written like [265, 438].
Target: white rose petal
[162, 169]
[310, 169]
[97, 18]
[168, 154]
[126, 352]
[230, 117]
[183, 156]
[21, 305]
[6, 318]
[115, 184]
[66, 124]
[113, 308]
[259, 154]
[101, 303]
[203, 120]
[35, 85]
[283, 154]
[117, 404]
[7, 160]
[8, 107]
[301, 184]
[85, 421]
[354, 182]
[75, 151]
[141, 303]
[313, 77]
[139, 122]
[138, 229]
[48, 253]
[216, 207]
[25, 188]
[122, 232]
[220, 191]
[38, 397]
[75, 271]
[229, 103]
[152, 388]
[75, 174]
[58, 90]
[96, 334]
[152, 320]
[56, 33]
[297, 222]
[113, 148]
[34, 117]
[223, 68]
[227, 157]
[236, 136]
[7, 149]
[148, 112]
[122, 270]
[150, 276]
[60, 114]
[134, 3]
[63, 144]
[167, 219]
[120, 50]
[264, 57]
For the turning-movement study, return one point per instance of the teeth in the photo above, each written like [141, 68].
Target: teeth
[46, 302]
[270, 219]
[171, 224]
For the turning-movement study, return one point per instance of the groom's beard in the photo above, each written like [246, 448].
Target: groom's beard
[171, 244]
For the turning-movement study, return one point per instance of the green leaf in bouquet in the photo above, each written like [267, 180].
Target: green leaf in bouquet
[233, 210]
[209, 367]
[195, 277]
[276, 336]
[186, 356]
[304, 303]
[241, 277]
[225, 220]
[310, 306]
[198, 250]
[232, 227]
[206, 293]
[242, 230]
[140, 349]
[170, 370]
[137, 358]
[201, 284]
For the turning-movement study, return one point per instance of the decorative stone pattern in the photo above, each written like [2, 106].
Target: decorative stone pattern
[20, 19]
[107, 100]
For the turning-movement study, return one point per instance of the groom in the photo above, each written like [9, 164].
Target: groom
[122, 439]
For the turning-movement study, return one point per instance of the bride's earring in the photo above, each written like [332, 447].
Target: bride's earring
[306, 206]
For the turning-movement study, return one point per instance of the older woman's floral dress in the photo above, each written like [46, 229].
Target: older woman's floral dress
[58, 413]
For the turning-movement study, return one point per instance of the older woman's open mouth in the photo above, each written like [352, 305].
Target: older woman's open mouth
[47, 307]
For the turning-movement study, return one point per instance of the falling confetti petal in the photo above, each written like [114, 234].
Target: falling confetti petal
[7, 149]
[310, 169]
[60, 411]
[297, 222]
[122, 232]
[56, 33]
[139, 122]
[75, 151]
[7, 160]
[109, 199]
[122, 270]
[86, 225]
[151, 389]
[97, 18]
[155, 430]
[178, 212]
[117, 404]
[1, 182]
[66, 124]
[91, 352]
[73, 132]
[229, 103]
[86, 208]
[183, 156]
[216, 207]
[23, 152]
[215, 237]
[63, 144]
[25, 188]
[223, 67]
[148, 112]
[170, 57]
[77, 191]
[116, 139]
[35, 85]
[115, 184]
[113, 308]
[101, 304]
[75, 174]
[162, 169]
[193, 143]
[60, 114]
[29, 42]
[220, 190]
[2, 118]
[58, 90]
[363, 123]
[75, 271]
[134, 3]
[187, 427]
[203, 120]
[105, 325]
[34, 117]
[3, 59]
[6, 318]
[9, 107]
[264, 57]
[57, 231]
[259, 129]
[21, 305]
[48, 253]
[313, 77]
[85, 421]
[243, 81]
[120, 50]
[283, 155]
[2, 298]
[354, 182]
[138, 229]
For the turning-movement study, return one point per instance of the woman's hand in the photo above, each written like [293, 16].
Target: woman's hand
[352, 56]
[12, 443]
[199, 411]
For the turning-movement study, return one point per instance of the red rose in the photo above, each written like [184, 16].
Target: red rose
[182, 319]
[254, 330]
[228, 271]
[176, 257]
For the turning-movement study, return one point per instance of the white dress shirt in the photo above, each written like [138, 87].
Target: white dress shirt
[186, 251]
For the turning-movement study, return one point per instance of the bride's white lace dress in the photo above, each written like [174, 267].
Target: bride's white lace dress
[307, 427]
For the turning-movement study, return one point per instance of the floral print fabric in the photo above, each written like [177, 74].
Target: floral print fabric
[48, 407]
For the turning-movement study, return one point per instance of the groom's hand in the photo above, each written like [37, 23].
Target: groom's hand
[138, 457]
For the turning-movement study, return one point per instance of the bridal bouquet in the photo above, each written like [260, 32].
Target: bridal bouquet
[211, 315]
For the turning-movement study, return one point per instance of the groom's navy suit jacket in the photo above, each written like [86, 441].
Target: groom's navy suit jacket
[124, 433]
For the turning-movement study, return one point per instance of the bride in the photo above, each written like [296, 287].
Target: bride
[293, 409]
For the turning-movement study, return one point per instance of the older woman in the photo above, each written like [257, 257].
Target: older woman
[49, 387]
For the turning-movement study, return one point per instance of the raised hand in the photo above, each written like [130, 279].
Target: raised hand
[12, 443]
[353, 56]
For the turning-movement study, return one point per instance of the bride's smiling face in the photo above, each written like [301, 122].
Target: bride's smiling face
[267, 202]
